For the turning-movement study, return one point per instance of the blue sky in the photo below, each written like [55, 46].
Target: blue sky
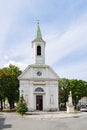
[63, 25]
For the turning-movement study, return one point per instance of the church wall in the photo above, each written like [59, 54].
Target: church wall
[52, 95]
[27, 88]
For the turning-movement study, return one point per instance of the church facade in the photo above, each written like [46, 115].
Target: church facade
[39, 82]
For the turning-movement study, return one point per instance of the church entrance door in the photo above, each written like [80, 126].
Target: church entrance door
[39, 102]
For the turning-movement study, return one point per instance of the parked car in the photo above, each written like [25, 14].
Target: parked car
[83, 108]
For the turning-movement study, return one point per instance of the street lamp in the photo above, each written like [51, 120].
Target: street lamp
[22, 92]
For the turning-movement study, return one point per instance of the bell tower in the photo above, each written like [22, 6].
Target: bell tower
[38, 45]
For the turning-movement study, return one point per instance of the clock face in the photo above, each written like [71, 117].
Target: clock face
[39, 73]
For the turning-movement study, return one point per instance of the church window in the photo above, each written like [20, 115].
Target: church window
[39, 73]
[38, 50]
[39, 89]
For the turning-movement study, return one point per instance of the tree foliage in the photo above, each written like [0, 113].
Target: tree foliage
[78, 88]
[9, 84]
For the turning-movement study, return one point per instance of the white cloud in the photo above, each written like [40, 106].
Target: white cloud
[72, 40]
[18, 64]
[76, 70]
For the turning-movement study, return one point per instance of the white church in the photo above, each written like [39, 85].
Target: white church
[39, 82]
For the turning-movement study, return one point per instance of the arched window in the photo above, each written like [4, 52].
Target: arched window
[38, 50]
[39, 89]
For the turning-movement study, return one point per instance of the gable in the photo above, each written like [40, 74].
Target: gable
[26, 73]
[52, 74]
[31, 72]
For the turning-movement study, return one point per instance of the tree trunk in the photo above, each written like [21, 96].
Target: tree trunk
[1, 104]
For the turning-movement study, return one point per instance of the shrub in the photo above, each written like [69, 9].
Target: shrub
[22, 106]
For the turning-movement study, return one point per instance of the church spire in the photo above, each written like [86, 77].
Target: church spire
[38, 37]
[38, 33]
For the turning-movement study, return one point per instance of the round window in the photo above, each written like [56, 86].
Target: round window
[39, 73]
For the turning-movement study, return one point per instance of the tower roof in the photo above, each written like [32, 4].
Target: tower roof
[38, 34]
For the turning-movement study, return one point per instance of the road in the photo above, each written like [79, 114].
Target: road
[24, 123]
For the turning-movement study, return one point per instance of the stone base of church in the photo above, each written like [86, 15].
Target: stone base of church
[45, 110]
[53, 109]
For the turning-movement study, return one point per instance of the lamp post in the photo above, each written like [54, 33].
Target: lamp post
[22, 101]
[22, 91]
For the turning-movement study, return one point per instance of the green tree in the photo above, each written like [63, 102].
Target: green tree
[22, 106]
[10, 83]
[63, 90]
[2, 89]
[78, 88]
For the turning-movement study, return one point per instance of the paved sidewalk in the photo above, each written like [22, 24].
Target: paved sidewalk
[56, 115]
[45, 115]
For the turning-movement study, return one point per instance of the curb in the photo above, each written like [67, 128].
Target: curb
[46, 116]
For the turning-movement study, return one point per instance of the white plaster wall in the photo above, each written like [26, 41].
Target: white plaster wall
[30, 79]
[52, 96]
[46, 99]
[51, 90]
[31, 99]
[27, 88]
[39, 59]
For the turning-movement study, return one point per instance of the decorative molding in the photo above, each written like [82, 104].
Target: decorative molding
[38, 84]
[39, 93]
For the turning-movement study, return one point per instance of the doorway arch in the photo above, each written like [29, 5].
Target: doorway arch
[39, 98]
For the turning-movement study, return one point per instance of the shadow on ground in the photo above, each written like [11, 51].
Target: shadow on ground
[2, 123]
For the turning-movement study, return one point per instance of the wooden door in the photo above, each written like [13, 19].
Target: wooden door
[39, 102]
